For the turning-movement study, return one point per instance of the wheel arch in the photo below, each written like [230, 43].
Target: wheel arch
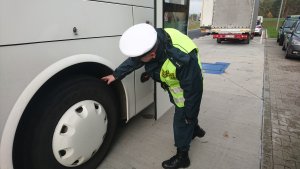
[83, 64]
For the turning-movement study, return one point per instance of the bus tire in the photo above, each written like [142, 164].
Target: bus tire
[219, 40]
[86, 107]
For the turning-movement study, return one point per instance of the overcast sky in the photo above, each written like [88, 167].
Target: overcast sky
[195, 6]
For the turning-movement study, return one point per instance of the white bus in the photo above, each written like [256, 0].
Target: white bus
[55, 112]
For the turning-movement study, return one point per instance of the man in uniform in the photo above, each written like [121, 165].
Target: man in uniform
[170, 58]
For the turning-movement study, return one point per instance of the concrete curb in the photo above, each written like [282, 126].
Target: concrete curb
[266, 137]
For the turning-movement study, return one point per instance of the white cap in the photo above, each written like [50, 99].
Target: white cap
[138, 40]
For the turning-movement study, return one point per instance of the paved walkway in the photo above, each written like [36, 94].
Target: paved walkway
[281, 131]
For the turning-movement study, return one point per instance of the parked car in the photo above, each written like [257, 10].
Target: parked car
[288, 22]
[293, 45]
[260, 19]
[287, 35]
[258, 29]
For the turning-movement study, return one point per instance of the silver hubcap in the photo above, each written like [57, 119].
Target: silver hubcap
[79, 133]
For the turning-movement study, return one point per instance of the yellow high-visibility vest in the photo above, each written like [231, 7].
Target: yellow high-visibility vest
[168, 70]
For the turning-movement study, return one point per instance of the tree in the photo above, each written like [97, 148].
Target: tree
[194, 17]
[276, 7]
[265, 8]
[291, 7]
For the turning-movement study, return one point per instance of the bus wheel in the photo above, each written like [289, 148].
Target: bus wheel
[219, 40]
[72, 126]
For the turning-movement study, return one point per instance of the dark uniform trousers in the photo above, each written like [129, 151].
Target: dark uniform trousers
[183, 131]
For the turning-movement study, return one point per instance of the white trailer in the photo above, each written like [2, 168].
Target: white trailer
[206, 16]
[234, 19]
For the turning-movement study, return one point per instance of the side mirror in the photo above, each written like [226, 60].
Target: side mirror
[289, 31]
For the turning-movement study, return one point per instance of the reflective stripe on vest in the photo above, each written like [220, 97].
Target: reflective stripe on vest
[168, 76]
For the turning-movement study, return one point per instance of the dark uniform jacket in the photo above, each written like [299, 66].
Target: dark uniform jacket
[188, 71]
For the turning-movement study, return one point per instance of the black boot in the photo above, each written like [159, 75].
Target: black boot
[199, 132]
[180, 160]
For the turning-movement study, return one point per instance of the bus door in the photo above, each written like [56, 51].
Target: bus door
[169, 14]
[144, 91]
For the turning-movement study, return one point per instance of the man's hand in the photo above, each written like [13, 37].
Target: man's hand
[108, 79]
[188, 120]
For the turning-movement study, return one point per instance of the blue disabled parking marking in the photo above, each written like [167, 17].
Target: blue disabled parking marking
[215, 68]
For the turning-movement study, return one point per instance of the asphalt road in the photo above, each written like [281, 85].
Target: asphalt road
[193, 34]
[231, 114]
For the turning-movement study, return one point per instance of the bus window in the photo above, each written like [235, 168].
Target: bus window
[176, 14]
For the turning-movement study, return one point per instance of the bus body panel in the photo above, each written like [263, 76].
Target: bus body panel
[57, 20]
[144, 91]
[144, 3]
